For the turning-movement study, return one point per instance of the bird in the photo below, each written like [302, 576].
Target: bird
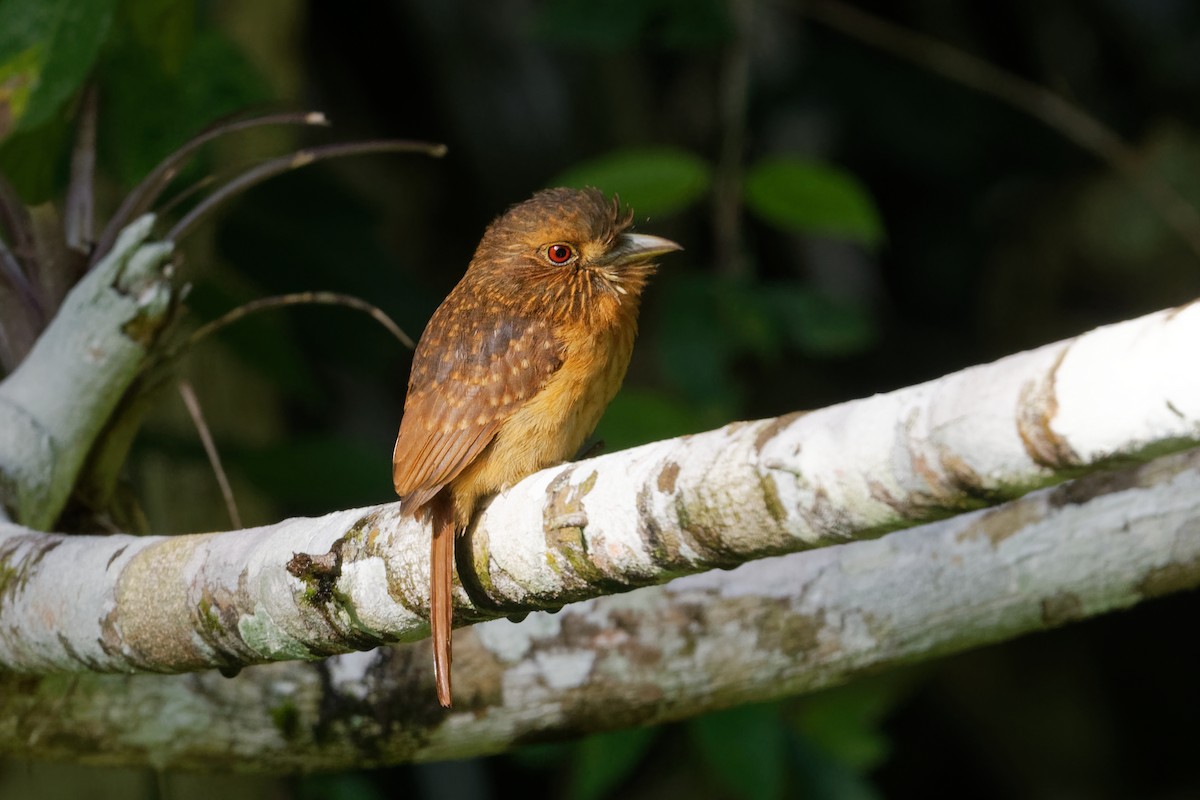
[516, 366]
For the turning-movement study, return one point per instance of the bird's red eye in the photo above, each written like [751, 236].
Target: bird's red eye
[559, 253]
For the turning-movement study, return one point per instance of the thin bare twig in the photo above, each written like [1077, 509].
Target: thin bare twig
[15, 219]
[210, 449]
[79, 215]
[732, 104]
[300, 158]
[14, 216]
[11, 273]
[298, 298]
[241, 312]
[1053, 109]
[142, 197]
[187, 194]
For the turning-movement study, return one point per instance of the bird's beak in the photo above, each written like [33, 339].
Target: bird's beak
[638, 248]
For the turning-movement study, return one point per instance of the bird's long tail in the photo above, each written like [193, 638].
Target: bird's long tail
[441, 606]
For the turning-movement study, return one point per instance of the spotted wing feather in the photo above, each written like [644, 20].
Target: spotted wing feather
[465, 382]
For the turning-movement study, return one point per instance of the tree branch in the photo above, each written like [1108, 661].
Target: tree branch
[62, 394]
[768, 629]
[1053, 109]
[308, 588]
[356, 579]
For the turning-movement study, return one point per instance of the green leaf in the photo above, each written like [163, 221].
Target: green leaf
[748, 315]
[149, 112]
[694, 348]
[47, 49]
[846, 722]
[35, 161]
[817, 324]
[164, 27]
[637, 416]
[820, 775]
[598, 24]
[314, 474]
[17, 78]
[604, 761]
[341, 786]
[746, 748]
[811, 197]
[653, 181]
[611, 25]
[696, 24]
[710, 322]
[544, 756]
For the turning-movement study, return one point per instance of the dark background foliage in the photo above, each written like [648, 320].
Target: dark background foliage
[853, 222]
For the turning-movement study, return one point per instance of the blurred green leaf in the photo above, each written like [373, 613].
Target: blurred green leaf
[652, 181]
[317, 474]
[710, 322]
[17, 79]
[696, 23]
[1118, 230]
[619, 24]
[748, 313]
[342, 786]
[814, 198]
[846, 722]
[35, 161]
[817, 324]
[604, 761]
[637, 416]
[601, 24]
[547, 755]
[695, 349]
[149, 112]
[164, 27]
[47, 49]
[746, 748]
[820, 775]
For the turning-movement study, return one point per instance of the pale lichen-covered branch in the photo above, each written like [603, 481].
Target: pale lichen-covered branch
[73, 606]
[356, 579]
[56, 402]
[771, 628]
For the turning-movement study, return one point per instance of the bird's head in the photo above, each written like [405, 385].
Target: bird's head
[575, 241]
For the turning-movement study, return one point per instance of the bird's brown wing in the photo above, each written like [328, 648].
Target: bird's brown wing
[465, 382]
